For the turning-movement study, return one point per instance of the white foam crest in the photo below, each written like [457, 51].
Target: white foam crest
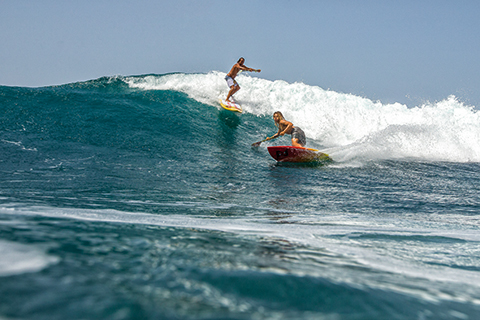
[20, 258]
[444, 131]
[205, 88]
[351, 127]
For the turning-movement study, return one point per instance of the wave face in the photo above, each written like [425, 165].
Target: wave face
[350, 128]
[139, 197]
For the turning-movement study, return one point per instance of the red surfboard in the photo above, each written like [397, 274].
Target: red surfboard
[297, 154]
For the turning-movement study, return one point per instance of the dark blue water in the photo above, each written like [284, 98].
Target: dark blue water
[140, 198]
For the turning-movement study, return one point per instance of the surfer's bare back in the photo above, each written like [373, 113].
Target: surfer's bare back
[230, 77]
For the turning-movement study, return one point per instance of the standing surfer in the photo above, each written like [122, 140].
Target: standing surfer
[230, 77]
[286, 127]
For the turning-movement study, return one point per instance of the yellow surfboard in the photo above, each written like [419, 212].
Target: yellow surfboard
[231, 106]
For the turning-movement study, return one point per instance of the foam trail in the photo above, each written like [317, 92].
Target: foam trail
[349, 126]
[20, 258]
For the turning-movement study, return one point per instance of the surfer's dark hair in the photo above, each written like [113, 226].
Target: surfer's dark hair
[241, 59]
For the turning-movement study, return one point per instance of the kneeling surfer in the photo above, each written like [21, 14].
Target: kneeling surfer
[286, 127]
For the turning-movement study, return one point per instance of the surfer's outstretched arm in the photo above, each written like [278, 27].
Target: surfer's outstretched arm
[245, 68]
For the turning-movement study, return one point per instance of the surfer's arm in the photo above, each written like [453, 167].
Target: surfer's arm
[275, 135]
[288, 127]
[245, 68]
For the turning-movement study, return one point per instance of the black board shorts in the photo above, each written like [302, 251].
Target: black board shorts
[298, 133]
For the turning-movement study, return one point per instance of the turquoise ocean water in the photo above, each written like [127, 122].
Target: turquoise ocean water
[140, 198]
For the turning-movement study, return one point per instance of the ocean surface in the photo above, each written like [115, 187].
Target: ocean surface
[139, 197]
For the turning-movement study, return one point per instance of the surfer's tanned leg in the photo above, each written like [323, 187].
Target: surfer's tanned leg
[232, 91]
